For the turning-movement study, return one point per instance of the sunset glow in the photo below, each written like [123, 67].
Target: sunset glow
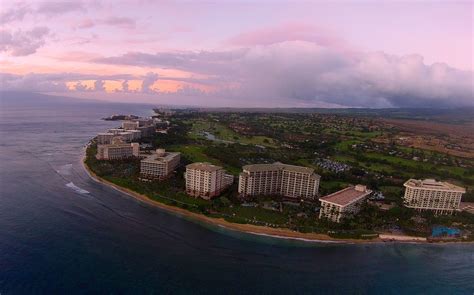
[281, 54]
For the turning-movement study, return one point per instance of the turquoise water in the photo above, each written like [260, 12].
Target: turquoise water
[62, 233]
[439, 231]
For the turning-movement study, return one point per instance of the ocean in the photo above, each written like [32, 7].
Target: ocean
[63, 233]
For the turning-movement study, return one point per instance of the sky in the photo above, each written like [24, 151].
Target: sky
[242, 53]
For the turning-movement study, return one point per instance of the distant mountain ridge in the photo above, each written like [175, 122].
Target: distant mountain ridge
[19, 98]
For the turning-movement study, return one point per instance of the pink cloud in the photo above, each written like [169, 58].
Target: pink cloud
[294, 31]
[118, 21]
[84, 24]
[22, 43]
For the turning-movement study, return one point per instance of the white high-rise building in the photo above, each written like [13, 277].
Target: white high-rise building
[429, 194]
[206, 180]
[278, 179]
[159, 165]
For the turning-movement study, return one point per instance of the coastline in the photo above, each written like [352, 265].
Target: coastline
[251, 229]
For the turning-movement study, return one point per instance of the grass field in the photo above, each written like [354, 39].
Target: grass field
[224, 133]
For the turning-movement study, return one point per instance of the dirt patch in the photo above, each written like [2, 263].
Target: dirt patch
[452, 139]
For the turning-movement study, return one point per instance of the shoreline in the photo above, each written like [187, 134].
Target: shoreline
[256, 230]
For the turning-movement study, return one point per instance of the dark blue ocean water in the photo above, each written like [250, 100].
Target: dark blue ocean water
[61, 233]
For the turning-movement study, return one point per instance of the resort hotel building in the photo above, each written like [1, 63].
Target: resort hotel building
[344, 203]
[130, 135]
[127, 136]
[278, 179]
[429, 194]
[117, 150]
[115, 131]
[130, 125]
[146, 127]
[206, 180]
[159, 165]
[105, 138]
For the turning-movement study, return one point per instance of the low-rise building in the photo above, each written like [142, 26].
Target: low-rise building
[344, 203]
[105, 138]
[159, 165]
[206, 180]
[278, 179]
[429, 194]
[117, 150]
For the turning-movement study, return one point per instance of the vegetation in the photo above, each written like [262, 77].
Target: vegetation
[236, 139]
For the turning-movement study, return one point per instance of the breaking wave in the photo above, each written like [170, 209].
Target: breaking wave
[77, 189]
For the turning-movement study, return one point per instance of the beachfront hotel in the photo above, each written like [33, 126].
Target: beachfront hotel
[115, 131]
[130, 125]
[117, 150]
[205, 180]
[145, 126]
[105, 138]
[429, 194]
[159, 165]
[278, 179]
[344, 203]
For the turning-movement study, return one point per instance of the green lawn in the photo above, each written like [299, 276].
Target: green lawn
[222, 132]
[256, 213]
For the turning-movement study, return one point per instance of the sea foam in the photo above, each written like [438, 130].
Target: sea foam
[77, 189]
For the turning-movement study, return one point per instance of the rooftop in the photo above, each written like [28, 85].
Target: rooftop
[347, 196]
[277, 166]
[433, 185]
[205, 166]
[161, 156]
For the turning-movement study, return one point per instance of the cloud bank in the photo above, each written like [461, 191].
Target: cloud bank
[308, 73]
[290, 73]
[20, 43]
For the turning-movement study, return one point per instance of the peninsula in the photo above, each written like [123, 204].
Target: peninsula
[310, 176]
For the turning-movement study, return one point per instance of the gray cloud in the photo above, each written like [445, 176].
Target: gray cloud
[32, 82]
[81, 87]
[210, 62]
[16, 13]
[53, 82]
[293, 73]
[148, 81]
[99, 85]
[60, 7]
[21, 43]
[125, 86]
[305, 73]
[120, 22]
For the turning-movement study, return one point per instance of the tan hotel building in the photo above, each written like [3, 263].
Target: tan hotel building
[344, 203]
[159, 165]
[206, 180]
[130, 125]
[105, 138]
[117, 150]
[278, 179]
[429, 194]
